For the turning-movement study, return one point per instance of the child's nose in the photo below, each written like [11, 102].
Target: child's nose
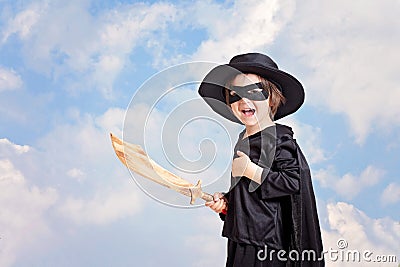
[245, 100]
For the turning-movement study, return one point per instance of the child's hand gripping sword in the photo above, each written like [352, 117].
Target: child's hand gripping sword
[134, 157]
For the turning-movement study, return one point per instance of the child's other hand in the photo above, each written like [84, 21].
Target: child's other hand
[243, 166]
[218, 204]
[239, 164]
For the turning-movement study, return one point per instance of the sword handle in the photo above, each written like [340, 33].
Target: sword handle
[196, 192]
[207, 197]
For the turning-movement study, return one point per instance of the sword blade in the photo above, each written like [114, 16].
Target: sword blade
[135, 158]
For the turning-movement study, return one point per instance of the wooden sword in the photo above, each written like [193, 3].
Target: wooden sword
[135, 158]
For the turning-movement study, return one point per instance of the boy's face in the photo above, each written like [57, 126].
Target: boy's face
[250, 112]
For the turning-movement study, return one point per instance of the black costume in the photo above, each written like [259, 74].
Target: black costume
[281, 212]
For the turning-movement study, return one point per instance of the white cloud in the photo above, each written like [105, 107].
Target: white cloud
[351, 52]
[112, 120]
[7, 147]
[22, 211]
[24, 204]
[107, 64]
[23, 22]
[9, 173]
[246, 26]
[94, 48]
[76, 174]
[41, 190]
[349, 185]
[126, 24]
[232, 27]
[88, 157]
[104, 207]
[391, 194]
[380, 236]
[9, 80]
[81, 151]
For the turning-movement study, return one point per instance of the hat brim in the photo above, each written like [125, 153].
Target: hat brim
[213, 86]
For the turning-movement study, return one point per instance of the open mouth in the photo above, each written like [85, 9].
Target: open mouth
[248, 112]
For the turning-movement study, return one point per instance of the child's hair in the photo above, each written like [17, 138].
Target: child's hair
[275, 95]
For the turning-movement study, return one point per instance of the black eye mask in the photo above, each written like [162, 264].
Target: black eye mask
[252, 91]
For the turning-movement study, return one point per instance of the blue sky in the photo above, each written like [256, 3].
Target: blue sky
[69, 71]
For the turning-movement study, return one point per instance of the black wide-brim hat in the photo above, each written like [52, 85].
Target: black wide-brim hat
[212, 88]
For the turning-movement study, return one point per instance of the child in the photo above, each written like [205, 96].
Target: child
[270, 216]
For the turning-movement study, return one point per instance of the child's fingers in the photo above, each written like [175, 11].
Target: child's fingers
[240, 153]
[218, 206]
[217, 196]
[209, 203]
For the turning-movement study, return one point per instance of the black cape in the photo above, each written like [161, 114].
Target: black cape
[306, 229]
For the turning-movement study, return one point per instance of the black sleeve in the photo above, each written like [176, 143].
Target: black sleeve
[283, 178]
